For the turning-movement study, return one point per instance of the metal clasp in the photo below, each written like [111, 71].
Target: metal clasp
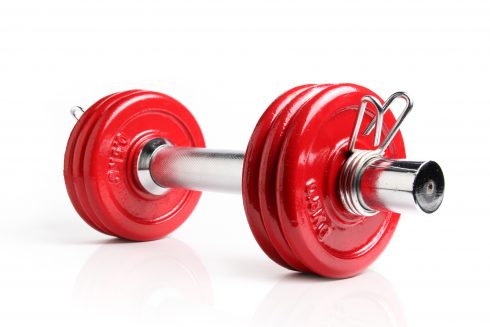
[378, 120]
[77, 112]
[359, 159]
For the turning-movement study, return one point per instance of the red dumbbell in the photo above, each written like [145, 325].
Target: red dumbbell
[319, 195]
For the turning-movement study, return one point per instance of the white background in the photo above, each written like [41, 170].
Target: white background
[226, 61]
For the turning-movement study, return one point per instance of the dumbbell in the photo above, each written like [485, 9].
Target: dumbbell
[324, 177]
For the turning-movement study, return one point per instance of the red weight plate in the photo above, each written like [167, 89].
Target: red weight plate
[67, 168]
[110, 165]
[267, 175]
[251, 170]
[68, 171]
[327, 239]
[79, 156]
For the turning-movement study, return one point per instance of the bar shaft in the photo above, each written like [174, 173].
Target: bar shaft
[198, 169]
[385, 185]
[402, 185]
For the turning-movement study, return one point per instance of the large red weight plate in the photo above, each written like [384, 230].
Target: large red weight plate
[321, 233]
[267, 174]
[108, 152]
[251, 171]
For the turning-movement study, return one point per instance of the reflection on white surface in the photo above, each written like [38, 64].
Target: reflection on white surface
[165, 282]
[299, 300]
[149, 280]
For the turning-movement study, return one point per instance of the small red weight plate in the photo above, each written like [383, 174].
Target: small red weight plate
[79, 156]
[251, 170]
[267, 175]
[67, 169]
[110, 165]
[327, 239]
[69, 173]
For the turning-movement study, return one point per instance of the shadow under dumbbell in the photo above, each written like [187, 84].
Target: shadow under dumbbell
[255, 268]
